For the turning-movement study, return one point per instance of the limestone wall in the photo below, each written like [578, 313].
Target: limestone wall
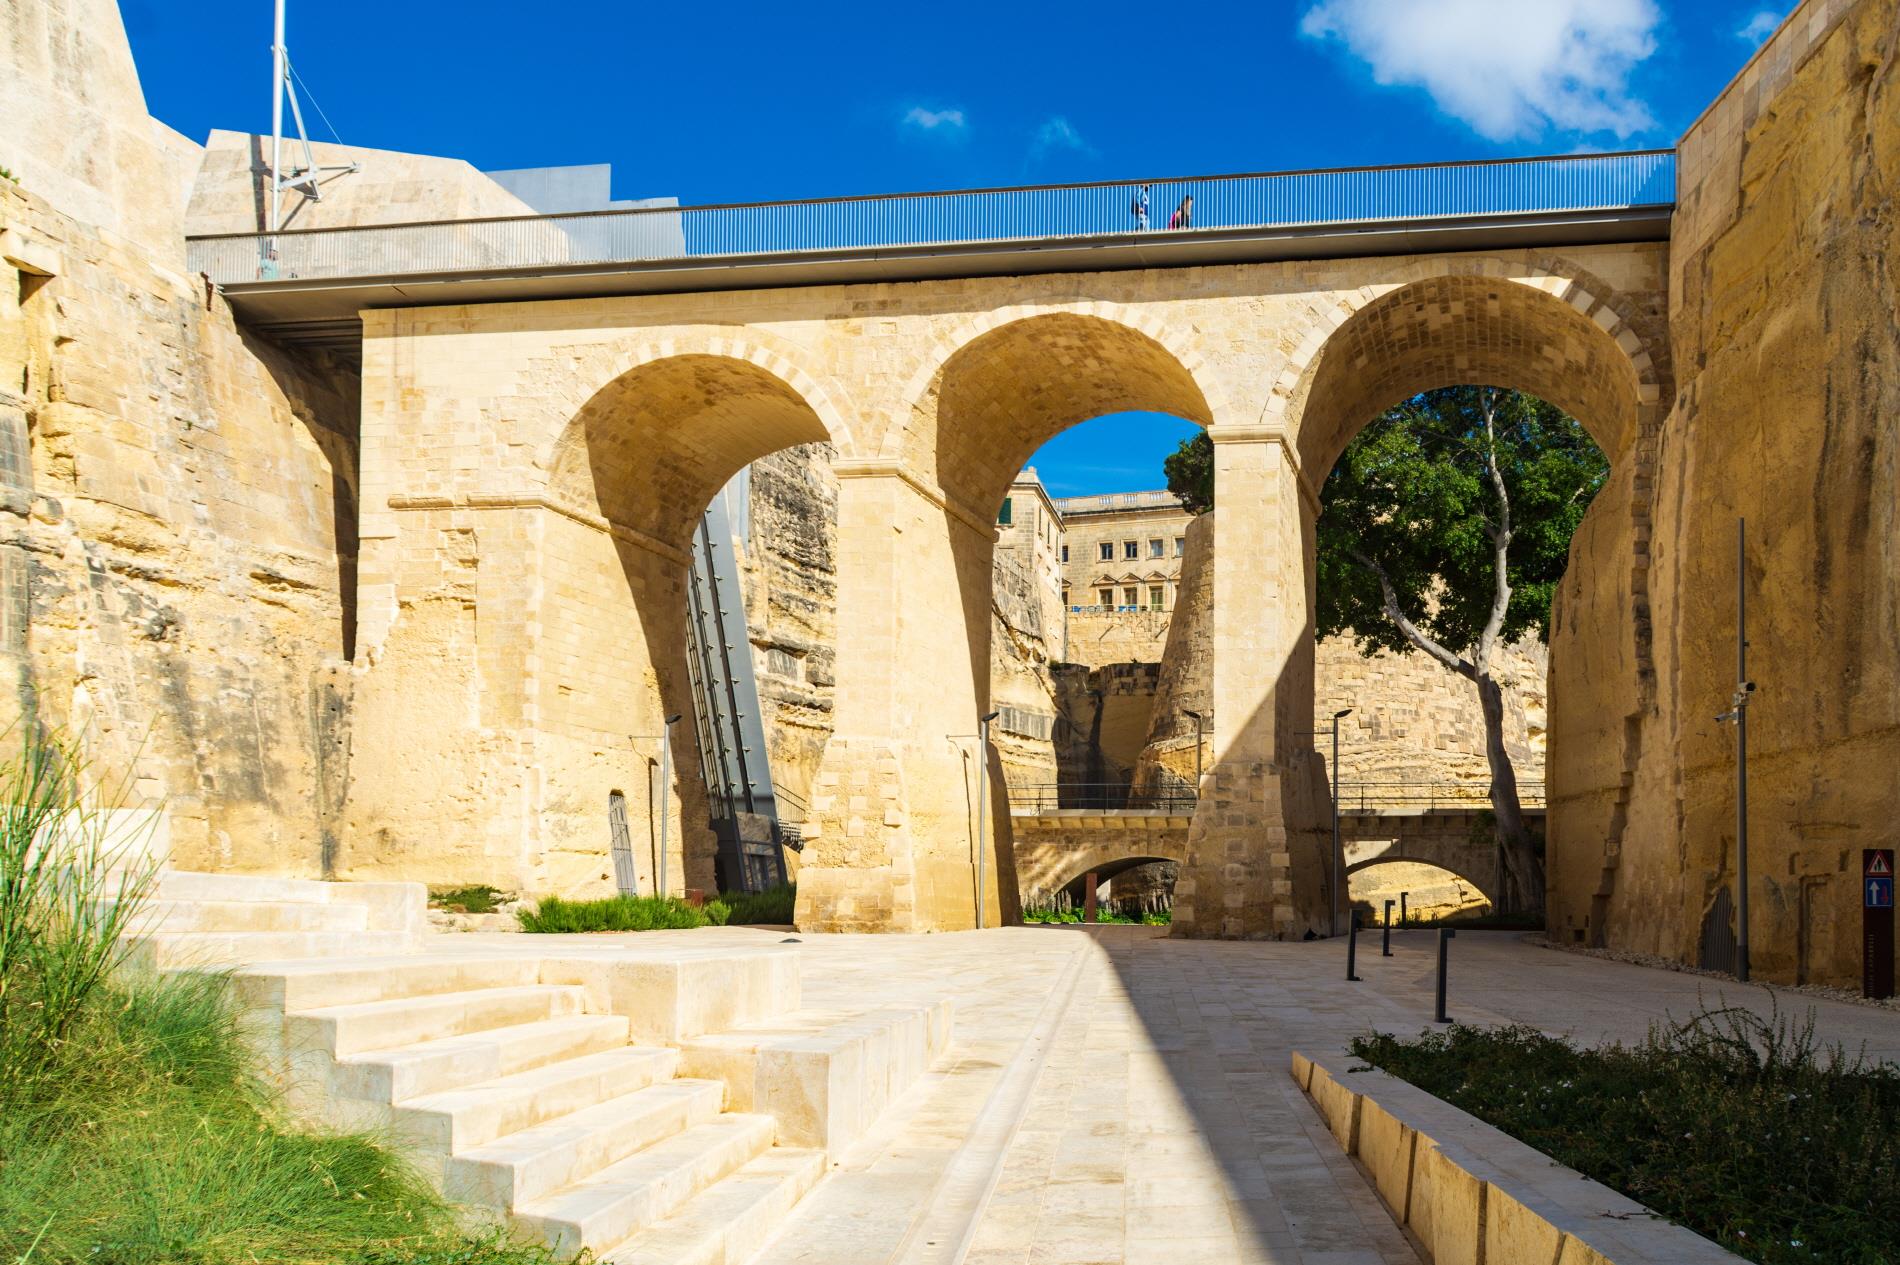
[73, 126]
[1787, 410]
[1097, 637]
[177, 528]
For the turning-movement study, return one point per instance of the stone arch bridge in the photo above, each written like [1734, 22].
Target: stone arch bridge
[546, 411]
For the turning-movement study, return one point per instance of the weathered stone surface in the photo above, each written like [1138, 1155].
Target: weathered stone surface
[1787, 411]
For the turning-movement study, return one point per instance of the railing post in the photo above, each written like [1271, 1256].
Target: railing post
[1386, 949]
[1402, 913]
[1352, 947]
[1088, 897]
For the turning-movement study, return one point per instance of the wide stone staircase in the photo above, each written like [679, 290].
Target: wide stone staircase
[194, 919]
[664, 1104]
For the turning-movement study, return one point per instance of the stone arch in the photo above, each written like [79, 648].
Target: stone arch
[1004, 382]
[1539, 325]
[596, 368]
[1486, 888]
[648, 450]
[1048, 861]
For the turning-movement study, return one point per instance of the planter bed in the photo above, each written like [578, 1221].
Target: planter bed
[1473, 1195]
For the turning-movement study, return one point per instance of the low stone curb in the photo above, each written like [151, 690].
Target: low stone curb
[1473, 1195]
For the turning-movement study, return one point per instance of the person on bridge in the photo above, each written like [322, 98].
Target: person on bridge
[1183, 214]
[1140, 208]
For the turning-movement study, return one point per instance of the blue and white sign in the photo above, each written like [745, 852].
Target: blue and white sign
[1879, 893]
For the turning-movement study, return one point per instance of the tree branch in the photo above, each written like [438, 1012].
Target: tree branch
[1500, 539]
[1389, 598]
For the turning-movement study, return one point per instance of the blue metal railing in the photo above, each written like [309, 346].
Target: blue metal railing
[1300, 199]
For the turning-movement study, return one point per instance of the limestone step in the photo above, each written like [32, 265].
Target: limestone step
[533, 1162]
[309, 984]
[179, 916]
[454, 1120]
[195, 885]
[613, 1204]
[400, 1021]
[449, 1063]
[729, 1222]
[168, 950]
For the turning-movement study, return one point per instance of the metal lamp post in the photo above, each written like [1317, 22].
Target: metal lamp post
[1334, 770]
[666, 791]
[1738, 712]
[1200, 727]
[982, 807]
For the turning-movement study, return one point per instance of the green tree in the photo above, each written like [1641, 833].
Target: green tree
[1444, 529]
[1190, 471]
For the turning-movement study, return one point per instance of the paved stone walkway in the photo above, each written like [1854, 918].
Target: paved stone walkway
[1112, 1095]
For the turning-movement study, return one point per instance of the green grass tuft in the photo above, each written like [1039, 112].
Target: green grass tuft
[1748, 1131]
[132, 1130]
[475, 898]
[773, 907]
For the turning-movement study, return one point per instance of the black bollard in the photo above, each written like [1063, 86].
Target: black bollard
[1352, 948]
[1444, 941]
[1402, 918]
[1385, 950]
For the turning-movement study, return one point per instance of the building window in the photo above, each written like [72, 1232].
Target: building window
[1106, 551]
[1108, 598]
[1065, 553]
[1131, 549]
[1131, 597]
[1180, 545]
[1003, 517]
[1154, 549]
[1155, 595]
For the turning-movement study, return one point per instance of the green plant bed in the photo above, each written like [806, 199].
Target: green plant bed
[555, 915]
[558, 915]
[1052, 917]
[1745, 1130]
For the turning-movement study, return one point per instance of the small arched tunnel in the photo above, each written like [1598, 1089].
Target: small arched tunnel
[1458, 330]
[1447, 871]
[646, 453]
[1047, 861]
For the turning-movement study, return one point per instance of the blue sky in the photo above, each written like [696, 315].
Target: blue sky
[747, 102]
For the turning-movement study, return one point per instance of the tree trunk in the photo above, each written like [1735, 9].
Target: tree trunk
[1522, 873]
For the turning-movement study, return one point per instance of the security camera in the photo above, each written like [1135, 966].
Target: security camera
[1749, 686]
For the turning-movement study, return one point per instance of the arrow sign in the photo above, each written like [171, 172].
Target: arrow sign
[1880, 893]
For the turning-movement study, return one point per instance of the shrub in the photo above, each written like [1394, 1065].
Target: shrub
[1746, 1130]
[475, 898]
[772, 907]
[556, 915]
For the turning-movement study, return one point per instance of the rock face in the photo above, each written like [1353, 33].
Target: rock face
[176, 544]
[1787, 411]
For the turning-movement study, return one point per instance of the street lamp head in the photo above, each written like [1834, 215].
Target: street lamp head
[992, 716]
[1343, 714]
[674, 719]
[1192, 715]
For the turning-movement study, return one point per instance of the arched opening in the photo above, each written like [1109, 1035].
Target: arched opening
[1063, 650]
[1127, 889]
[633, 476]
[1419, 891]
[1449, 702]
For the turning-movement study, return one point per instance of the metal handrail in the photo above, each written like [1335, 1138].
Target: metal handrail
[1050, 797]
[1372, 797]
[1018, 213]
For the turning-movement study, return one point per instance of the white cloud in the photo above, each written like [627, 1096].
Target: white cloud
[944, 121]
[1058, 133]
[1759, 27]
[1510, 69]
